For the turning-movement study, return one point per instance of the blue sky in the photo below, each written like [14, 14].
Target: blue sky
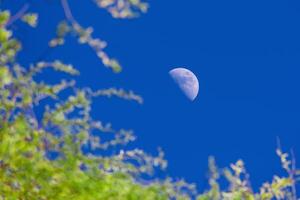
[245, 54]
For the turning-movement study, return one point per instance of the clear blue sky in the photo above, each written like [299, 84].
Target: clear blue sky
[245, 53]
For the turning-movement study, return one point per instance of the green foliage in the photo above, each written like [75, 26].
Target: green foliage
[240, 186]
[30, 19]
[4, 17]
[123, 8]
[27, 172]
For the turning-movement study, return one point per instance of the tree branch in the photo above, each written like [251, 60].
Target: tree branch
[67, 11]
[18, 15]
[292, 175]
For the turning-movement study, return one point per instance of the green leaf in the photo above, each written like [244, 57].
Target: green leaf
[4, 35]
[5, 76]
[30, 19]
[116, 67]
[4, 17]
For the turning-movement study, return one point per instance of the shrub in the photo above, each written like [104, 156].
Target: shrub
[43, 158]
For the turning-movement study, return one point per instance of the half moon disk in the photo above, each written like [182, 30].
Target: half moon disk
[187, 82]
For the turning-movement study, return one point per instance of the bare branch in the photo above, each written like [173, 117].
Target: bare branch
[278, 143]
[292, 175]
[67, 10]
[18, 15]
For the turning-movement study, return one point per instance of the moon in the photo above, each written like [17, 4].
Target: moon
[187, 82]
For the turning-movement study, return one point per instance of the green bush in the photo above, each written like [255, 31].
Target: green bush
[28, 173]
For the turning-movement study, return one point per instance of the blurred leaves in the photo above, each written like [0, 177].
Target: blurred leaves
[5, 76]
[240, 187]
[123, 8]
[84, 36]
[4, 17]
[28, 168]
[30, 19]
[43, 158]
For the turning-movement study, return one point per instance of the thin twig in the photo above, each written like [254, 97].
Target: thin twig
[292, 175]
[278, 143]
[67, 10]
[18, 15]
